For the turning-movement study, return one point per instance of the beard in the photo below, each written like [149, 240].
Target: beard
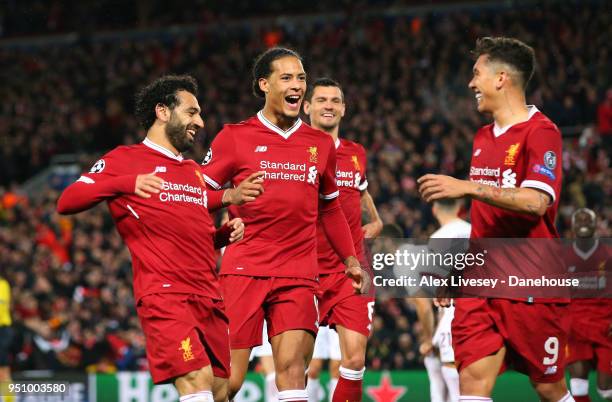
[177, 134]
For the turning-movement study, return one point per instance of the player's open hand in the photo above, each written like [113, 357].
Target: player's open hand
[436, 186]
[361, 279]
[238, 230]
[372, 229]
[147, 184]
[247, 191]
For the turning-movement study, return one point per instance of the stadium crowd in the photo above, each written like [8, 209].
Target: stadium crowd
[405, 81]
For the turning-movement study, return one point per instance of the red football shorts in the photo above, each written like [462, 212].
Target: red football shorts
[285, 303]
[535, 335]
[339, 305]
[589, 340]
[184, 332]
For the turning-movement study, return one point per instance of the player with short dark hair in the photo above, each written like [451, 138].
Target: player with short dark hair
[272, 274]
[160, 204]
[515, 183]
[350, 315]
[590, 341]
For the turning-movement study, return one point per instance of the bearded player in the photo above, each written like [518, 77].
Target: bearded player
[159, 203]
[339, 307]
[590, 337]
[272, 274]
[515, 182]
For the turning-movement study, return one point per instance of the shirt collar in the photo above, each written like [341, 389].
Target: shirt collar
[498, 131]
[276, 129]
[337, 143]
[163, 150]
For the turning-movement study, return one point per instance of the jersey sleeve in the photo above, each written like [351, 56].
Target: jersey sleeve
[543, 149]
[328, 190]
[362, 184]
[107, 178]
[218, 166]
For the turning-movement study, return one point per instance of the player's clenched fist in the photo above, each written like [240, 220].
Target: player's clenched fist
[147, 184]
[247, 191]
[361, 279]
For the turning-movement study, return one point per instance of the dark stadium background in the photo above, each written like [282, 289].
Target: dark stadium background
[68, 72]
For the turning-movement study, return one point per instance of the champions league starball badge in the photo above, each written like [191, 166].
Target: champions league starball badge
[98, 166]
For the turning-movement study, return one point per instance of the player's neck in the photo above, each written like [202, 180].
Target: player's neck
[513, 110]
[333, 132]
[278, 119]
[584, 244]
[158, 136]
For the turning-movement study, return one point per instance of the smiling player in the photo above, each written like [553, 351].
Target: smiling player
[272, 273]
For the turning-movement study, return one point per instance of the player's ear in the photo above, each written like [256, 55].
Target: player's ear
[264, 85]
[307, 107]
[162, 112]
[343, 109]
[501, 79]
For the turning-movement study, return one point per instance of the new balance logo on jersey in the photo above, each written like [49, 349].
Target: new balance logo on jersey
[550, 370]
[261, 148]
[477, 152]
[160, 169]
[508, 179]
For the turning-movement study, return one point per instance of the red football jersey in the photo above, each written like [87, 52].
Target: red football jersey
[170, 234]
[351, 180]
[522, 155]
[592, 268]
[280, 226]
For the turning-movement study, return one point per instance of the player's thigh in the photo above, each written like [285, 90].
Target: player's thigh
[289, 348]
[579, 369]
[478, 378]
[353, 347]
[550, 391]
[195, 381]
[220, 389]
[240, 365]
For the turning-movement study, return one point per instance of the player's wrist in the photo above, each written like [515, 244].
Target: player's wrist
[227, 197]
[470, 188]
[352, 261]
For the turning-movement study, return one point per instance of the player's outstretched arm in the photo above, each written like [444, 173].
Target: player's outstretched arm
[526, 200]
[87, 192]
[372, 229]
[247, 191]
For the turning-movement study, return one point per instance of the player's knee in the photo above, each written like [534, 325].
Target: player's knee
[472, 384]
[233, 387]
[550, 392]
[606, 394]
[354, 361]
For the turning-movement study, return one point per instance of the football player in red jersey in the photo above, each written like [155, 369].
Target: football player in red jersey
[339, 307]
[590, 339]
[160, 204]
[272, 273]
[515, 183]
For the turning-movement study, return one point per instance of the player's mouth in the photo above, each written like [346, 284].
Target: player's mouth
[191, 132]
[328, 115]
[478, 97]
[293, 101]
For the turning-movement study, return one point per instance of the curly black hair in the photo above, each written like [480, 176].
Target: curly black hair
[162, 91]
